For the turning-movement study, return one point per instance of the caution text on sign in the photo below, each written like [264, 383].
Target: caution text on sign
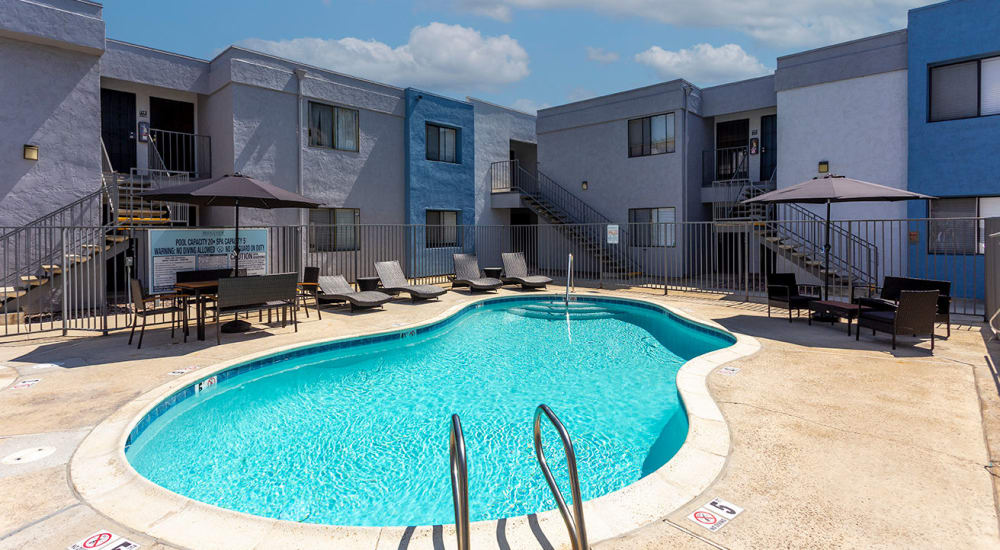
[103, 540]
[715, 514]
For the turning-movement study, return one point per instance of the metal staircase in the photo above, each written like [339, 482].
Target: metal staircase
[71, 241]
[577, 220]
[796, 234]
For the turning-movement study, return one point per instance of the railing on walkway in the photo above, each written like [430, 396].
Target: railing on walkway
[729, 258]
[724, 164]
[180, 152]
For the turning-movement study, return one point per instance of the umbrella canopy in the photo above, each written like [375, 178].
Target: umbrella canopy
[833, 188]
[231, 190]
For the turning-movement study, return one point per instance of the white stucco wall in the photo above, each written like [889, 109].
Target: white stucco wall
[495, 128]
[56, 105]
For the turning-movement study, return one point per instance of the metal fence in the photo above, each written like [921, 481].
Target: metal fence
[88, 289]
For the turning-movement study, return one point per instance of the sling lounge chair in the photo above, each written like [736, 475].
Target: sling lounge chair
[515, 271]
[467, 273]
[393, 280]
[335, 288]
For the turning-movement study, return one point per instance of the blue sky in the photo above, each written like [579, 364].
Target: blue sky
[522, 53]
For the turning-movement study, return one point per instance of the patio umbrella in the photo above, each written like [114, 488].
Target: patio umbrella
[231, 190]
[829, 189]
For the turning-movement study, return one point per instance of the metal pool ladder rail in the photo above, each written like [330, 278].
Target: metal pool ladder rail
[569, 276]
[574, 520]
[460, 482]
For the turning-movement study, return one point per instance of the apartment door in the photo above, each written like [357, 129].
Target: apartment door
[172, 125]
[768, 146]
[118, 128]
[731, 140]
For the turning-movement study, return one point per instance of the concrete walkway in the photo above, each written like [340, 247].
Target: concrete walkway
[834, 443]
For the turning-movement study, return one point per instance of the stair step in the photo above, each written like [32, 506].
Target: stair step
[52, 268]
[141, 212]
[116, 238]
[133, 221]
[33, 280]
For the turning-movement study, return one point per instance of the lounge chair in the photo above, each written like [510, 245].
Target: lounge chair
[516, 272]
[335, 288]
[914, 315]
[467, 273]
[892, 286]
[783, 292]
[393, 280]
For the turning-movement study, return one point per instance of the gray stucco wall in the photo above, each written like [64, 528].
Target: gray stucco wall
[495, 127]
[55, 105]
[746, 95]
[866, 56]
[124, 61]
[63, 23]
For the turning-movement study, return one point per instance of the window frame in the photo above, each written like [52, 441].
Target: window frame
[335, 231]
[652, 238]
[434, 233]
[439, 127]
[646, 131]
[334, 109]
[979, 87]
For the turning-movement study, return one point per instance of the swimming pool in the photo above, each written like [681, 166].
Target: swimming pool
[355, 432]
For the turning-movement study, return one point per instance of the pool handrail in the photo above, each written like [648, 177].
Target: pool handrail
[459, 482]
[574, 520]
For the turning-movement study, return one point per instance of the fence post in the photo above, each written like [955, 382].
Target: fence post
[850, 258]
[746, 263]
[600, 255]
[62, 277]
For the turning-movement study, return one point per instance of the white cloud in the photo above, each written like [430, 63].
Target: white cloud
[436, 56]
[703, 63]
[600, 55]
[776, 22]
[529, 105]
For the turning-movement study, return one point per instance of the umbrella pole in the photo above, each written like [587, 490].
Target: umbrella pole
[826, 252]
[236, 325]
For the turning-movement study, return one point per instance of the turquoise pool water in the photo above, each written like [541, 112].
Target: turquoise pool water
[359, 435]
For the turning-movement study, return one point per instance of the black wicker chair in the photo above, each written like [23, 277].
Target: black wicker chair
[783, 292]
[893, 286]
[914, 315]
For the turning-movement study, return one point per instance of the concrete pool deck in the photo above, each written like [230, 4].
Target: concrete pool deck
[833, 443]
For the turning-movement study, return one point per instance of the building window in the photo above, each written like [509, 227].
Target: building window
[333, 127]
[652, 226]
[442, 228]
[947, 235]
[333, 229]
[651, 135]
[965, 90]
[442, 143]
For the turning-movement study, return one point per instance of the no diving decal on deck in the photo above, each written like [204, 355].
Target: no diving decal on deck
[103, 540]
[206, 384]
[715, 514]
[25, 384]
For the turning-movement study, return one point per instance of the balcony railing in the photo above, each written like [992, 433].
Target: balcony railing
[181, 152]
[725, 164]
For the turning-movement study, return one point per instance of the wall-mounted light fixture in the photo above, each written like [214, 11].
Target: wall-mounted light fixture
[584, 185]
[824, 167]
[31, 152]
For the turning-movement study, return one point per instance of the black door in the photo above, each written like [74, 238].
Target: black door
[768, 146]
[171, 124]
[731, 140]
[118, 128]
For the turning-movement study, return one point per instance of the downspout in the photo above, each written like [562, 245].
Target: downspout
[300, 75]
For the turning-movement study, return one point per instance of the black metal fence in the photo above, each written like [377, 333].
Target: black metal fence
[85, 287]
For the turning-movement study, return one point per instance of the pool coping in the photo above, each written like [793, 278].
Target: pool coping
[102, 476]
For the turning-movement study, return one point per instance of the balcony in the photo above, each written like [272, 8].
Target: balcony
[179, 152]
[728, 164]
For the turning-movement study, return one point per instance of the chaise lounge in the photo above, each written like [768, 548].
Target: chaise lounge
[467, 273]
[516, 272]
[335, 288]
[392, 279]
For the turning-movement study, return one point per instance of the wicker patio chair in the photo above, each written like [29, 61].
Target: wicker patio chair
[335, 288]
[914, 315]
[783, 292]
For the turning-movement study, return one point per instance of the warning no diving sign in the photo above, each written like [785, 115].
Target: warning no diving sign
[715, 514]
[103, 540]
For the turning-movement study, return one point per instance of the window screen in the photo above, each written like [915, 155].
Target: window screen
[333, 229]
[953, 236]
[442, 228]
[651, 226]
[442, 143]
[989, 86]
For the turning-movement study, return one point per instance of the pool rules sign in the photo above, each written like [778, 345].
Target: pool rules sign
[715, 514]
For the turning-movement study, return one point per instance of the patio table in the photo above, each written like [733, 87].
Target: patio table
[199, 288]
[836, 309]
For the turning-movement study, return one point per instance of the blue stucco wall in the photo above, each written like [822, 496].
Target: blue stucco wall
[950, 158]
[433, 185]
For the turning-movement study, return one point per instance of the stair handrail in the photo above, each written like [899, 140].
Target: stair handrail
[740, 171]
[459, 482]
[573, 519]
